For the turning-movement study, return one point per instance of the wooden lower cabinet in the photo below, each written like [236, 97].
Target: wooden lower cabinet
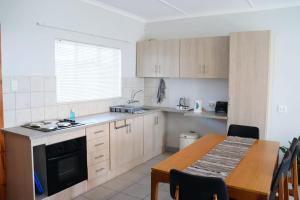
[126, 141]
[154, 135]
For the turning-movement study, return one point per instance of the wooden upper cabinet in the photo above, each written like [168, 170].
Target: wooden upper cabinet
[249, 79]
[158, 58]
[168, 58]
[147, 59]
[204, 57]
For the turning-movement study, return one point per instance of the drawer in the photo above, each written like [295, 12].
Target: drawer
[97, 144]
[99, 169]
[97, 156]
[97, 131]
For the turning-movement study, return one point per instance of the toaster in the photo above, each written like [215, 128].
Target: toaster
[221, 107]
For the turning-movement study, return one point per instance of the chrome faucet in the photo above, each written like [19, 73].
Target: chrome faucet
[133, 94]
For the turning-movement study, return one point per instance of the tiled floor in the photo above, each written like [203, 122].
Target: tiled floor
[133, 185]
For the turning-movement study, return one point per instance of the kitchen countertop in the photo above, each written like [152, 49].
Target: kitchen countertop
[101, 118]
[89, 120]
[204, 114]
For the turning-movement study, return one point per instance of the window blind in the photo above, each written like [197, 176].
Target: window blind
[86, 72]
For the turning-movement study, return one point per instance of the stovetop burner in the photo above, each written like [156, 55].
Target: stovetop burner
[52, 125]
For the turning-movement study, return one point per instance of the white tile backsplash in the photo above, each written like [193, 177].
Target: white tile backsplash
[50, 84]
[36, 84]
[50, 98]
[23, 116]
[9, 117]
[23, 83]
[37, 114]
[35, 99]
[51, 112]
[9, 101]
[22, 100]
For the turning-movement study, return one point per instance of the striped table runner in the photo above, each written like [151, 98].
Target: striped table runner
[223, 158]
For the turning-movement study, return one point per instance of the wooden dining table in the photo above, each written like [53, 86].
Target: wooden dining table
[250, 180]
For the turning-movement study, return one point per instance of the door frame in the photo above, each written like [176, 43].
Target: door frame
[2, 147]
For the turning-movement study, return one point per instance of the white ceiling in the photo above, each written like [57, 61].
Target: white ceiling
[157, 10]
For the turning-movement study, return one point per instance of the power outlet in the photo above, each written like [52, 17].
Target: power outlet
[282, 108]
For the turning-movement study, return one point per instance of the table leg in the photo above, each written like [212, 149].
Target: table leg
[154, 186]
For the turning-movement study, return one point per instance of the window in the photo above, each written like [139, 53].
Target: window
[86, 72]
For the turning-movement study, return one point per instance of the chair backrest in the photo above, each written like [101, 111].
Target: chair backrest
[192, 187]
[295, 150]
[281, 171]
[243, 131]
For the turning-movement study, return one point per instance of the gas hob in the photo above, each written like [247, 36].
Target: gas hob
[52, 125]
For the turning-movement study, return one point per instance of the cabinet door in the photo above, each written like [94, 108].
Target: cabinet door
[118, 143]
[136, 126]
[192, 58]
[149, 124]
[159, 134]
[147, 58]
[216, 57]
[249, 79]
[168, 58]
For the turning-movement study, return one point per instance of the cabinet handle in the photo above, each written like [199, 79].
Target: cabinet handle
[96, 132]
[97, 157]
[158, 68]
[99, 144]
[99, 170]
[156, 120]
[123, 126]
[201, 68]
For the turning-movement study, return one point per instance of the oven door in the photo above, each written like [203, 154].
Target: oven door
[65, 171]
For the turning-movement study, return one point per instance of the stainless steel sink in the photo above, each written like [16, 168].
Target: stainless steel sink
[128, 109]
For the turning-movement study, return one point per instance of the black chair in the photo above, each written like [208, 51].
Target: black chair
[243, 131]
[191, 187]
[293, 168]
[294, 149]
[279, 176]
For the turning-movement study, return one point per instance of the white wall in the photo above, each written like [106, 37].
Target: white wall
[28, 54]
[284, 24]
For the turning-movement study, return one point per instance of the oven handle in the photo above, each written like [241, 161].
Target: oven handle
[63, 156]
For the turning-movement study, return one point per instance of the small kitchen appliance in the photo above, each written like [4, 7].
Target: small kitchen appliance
[221, 107]
[182, 104]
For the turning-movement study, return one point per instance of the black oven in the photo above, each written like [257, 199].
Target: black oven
[66, 164]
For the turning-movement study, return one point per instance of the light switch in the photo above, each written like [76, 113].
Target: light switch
[282, 108]
[14, 85]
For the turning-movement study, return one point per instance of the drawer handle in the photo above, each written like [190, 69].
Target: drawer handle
[99, 170]
[96, 132]
[97, 157]
[96, 145]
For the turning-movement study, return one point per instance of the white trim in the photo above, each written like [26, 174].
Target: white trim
[79, 32]
[115, 10]
[172, 6]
